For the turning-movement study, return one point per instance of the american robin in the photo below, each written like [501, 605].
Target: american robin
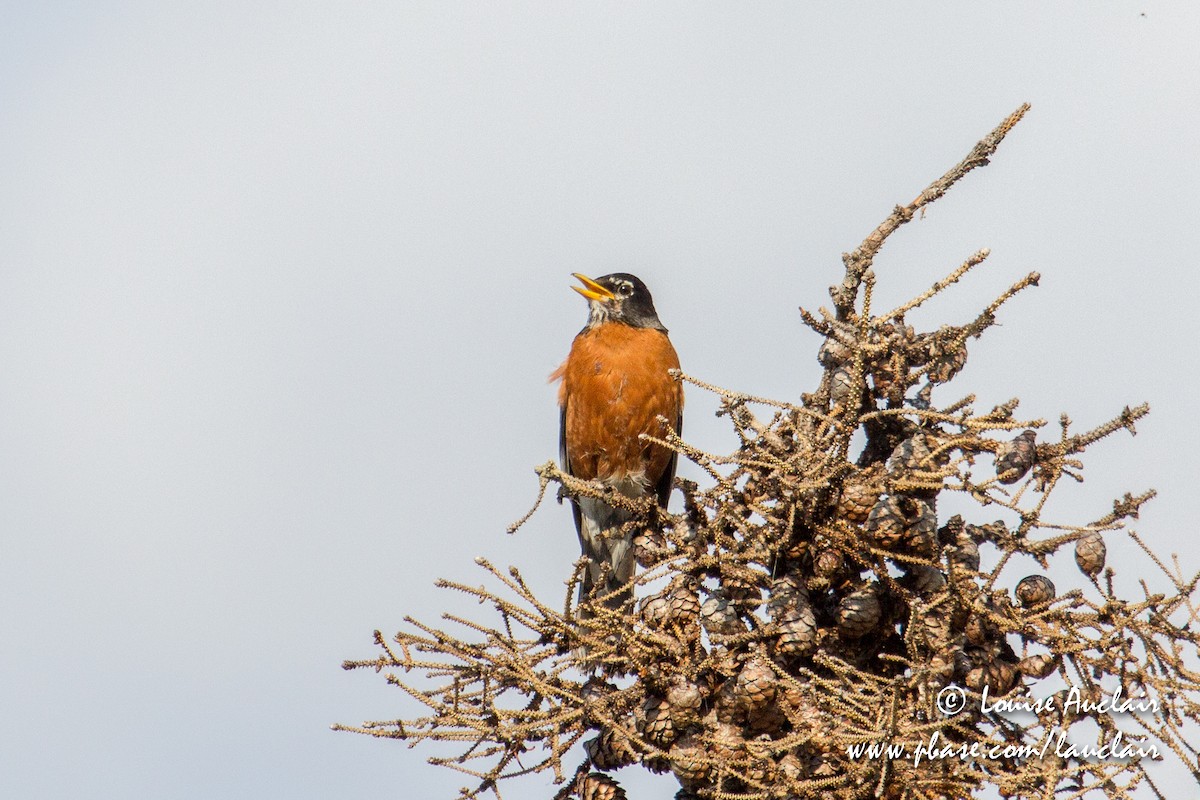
[615, 386]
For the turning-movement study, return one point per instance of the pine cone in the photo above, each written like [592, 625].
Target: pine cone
[1015, 458]
[859, 494]
[791, 610]
[938, 633]
[728, 743]
[858, 613]
[689, 760]
[684, 529]
[684, 699]
[726, 704]
[786, 591]
[1038, 666]
[683, 603]
[1034, 590]
[609, 751]
[719, 617]
[921, 535]
[1090, 553]
[980, 630]
[676, 608]
[834, 352]
[841, 386]
[942, 664]
[744, 595]
[886, 522]
[655, 722]
[999, 676]
[653, 610]
[910, 455]
[797, 636]
[799, 707]
[755, 685]
[598, 786]
[649, 548]
[827, 563]
[760, 767]
[924, 580]
[657, 764]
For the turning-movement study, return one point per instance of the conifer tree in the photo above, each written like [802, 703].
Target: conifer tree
[812, 618]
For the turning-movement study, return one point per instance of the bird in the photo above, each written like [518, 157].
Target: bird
[615, 385]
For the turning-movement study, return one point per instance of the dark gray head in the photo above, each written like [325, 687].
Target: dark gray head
[619, 297]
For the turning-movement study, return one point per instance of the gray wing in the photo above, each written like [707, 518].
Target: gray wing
[565, 462]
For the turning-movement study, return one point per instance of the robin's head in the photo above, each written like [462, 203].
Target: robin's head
[619, 297]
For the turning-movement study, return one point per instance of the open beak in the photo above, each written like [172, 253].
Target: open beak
[592, 290]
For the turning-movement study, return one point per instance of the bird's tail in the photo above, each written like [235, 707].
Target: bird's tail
[611, 563]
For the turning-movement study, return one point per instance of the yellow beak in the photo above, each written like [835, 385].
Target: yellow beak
[592, 290]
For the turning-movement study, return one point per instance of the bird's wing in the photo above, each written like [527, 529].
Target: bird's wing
[565, 460]
[663, 489]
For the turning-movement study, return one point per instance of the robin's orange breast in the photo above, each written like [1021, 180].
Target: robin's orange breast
[615, 385]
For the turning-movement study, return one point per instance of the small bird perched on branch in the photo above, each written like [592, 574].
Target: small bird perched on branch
[615, 387]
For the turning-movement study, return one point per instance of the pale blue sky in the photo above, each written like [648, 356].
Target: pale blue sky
[281, 284]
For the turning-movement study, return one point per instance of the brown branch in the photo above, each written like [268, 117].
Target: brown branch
[859, 260]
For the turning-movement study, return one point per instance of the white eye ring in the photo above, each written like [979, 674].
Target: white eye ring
[626, 289]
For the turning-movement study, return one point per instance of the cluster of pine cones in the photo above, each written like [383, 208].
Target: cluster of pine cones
[802, 573]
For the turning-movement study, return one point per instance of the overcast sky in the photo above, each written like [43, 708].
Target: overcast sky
[281, 285]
